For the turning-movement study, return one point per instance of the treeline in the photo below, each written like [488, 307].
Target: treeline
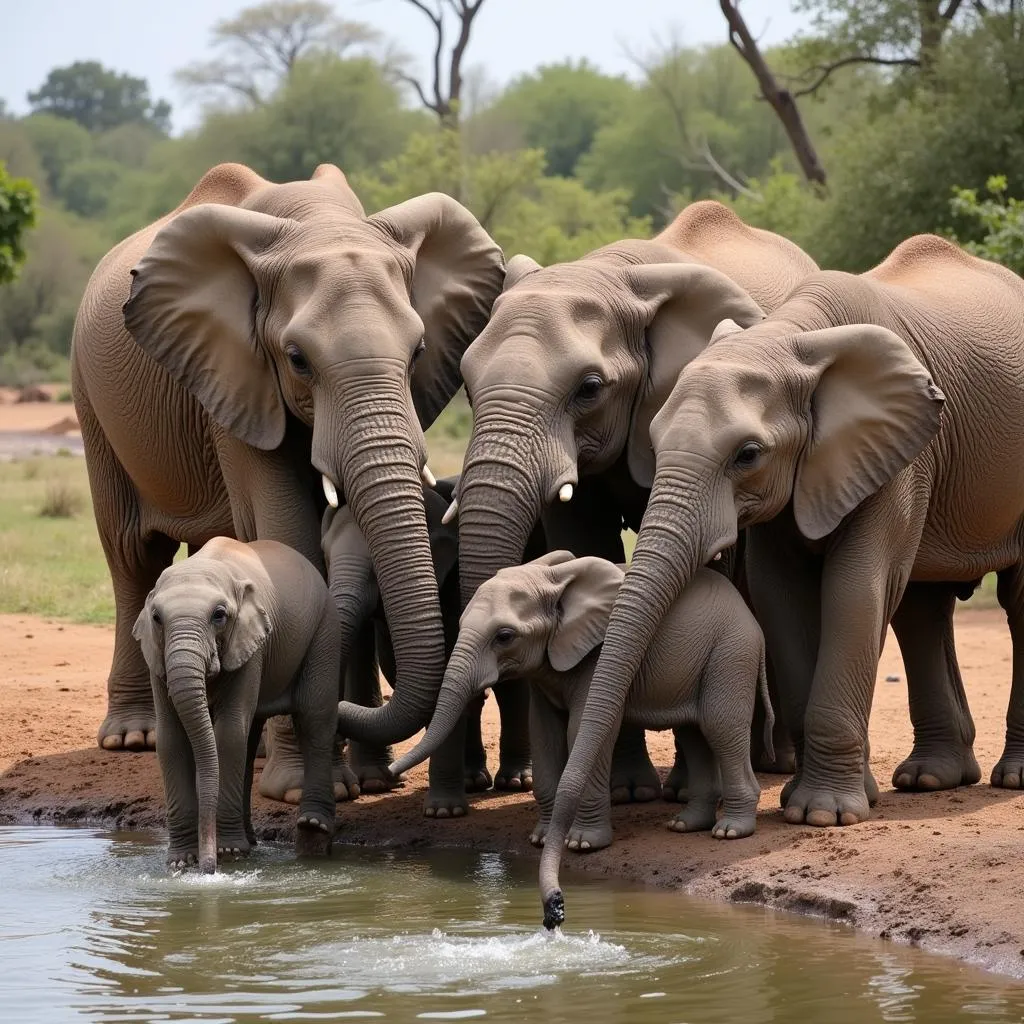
[898, 111]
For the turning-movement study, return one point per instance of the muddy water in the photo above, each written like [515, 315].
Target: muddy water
[92, 928]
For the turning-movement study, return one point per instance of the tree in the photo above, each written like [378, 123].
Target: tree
[779, 98]
[260, 47]
[444, 101]
[59, 143]
[98, 98]
[18, 201]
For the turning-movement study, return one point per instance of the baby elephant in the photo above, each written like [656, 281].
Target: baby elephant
[545, 621]
[233, 635]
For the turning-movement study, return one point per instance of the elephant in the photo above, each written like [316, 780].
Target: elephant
[543, 623]
[852, 433]
[564, 381]
[274, 338]
[231, 635]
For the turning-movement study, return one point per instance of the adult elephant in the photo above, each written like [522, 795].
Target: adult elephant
[566, 377]
[852, 432]
[267, 329]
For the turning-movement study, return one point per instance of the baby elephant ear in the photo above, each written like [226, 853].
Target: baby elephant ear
[588, 589]
[250, 631]
[144, 631]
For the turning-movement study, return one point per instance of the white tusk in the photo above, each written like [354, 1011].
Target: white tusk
[451, 512]
[330, 491]
[565, 493]
[717, 557]
[428, 478]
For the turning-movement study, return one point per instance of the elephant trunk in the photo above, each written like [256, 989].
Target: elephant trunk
[457, 690]
[186, 688]
[671, 546]
[500, 501]
[381, 464]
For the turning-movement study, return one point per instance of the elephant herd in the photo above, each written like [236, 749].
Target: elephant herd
[806, 456]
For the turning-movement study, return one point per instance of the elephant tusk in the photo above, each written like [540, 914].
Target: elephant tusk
[565, 492]
[330, 491]
[428, 478]
[717, 557]
[451, 512]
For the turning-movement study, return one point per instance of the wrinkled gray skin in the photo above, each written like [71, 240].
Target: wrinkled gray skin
[269, 328]
[853, 431]
[543, 623]
[575, 362]
[233, 634]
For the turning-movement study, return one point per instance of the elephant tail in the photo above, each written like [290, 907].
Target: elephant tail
[769, 714]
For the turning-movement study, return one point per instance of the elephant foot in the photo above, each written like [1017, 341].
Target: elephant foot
[477, 780]
[586, 839]
[369, 765]
[1009, 770]
[232, 849]
[931, 768]
[445, 805]
[734, 826]
[182, 858]
[514, 775]
[676, 788]
[128, 727]
[635, 780]
[825, 804]
[283, 772]
[539, 833]
[313, 835]
[696, 816]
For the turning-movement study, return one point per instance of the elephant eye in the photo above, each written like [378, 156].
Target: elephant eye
[299, 363]
[747, 454]
[417, 352]
[157, 620]
[219, 616]
[589, 388]
[505, 635]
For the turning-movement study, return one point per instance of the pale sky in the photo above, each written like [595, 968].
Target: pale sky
[152, 38]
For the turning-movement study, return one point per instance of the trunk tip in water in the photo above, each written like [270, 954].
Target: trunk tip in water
[554, 910]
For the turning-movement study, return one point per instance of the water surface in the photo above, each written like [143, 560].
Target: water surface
[92, 928]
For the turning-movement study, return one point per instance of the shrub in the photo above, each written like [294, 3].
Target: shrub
[60, 502]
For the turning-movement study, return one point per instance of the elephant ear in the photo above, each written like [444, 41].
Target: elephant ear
[144, 631]
[874, 408]
[554, 558]
[518, 268]
[458, 272]
[192, 308]
[589, 587]
[251, 628]
[681, 303]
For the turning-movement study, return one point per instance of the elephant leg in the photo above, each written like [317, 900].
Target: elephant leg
[232, 725]
[252, 747]
[634, 779]
[368, 762]
[548, 728]
[515, 768]
[592, 827]
[178, 770]
[283, 772]
[675, 789]
[699, 813]
[446, 795]
[477, 777]
[1008, 772]
[943, 755]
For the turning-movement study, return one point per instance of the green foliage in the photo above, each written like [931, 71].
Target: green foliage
[98, 98]
[18, 199]
[1002, 219]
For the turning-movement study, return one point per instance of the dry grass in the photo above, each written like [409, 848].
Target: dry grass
[61, 501]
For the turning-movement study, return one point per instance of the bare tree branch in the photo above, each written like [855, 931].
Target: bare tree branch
[826, 70]
[781, 99]
[951, 8]
[724, 175]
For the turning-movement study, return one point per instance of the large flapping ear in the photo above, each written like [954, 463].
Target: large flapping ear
[459, 271]
[873, 410]
[329, 174]
[682, 303]
[518, 268]
[144, 631]
[250, 630]
[589, 587]
[192, 308]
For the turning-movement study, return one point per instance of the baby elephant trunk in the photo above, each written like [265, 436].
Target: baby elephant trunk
[449, 709]
[186, 687]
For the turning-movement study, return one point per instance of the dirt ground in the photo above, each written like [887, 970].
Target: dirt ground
[936, 870]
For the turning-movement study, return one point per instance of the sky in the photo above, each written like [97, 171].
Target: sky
[152, 38]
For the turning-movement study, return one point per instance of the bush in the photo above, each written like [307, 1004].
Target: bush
[22, 365]
[1002, 219]
[61, 502]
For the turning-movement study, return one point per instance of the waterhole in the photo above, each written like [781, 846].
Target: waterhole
[92, 928]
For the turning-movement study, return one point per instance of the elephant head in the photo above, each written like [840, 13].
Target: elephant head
[566, 377]
[294, 305]
[202, 618]
[552, 611]
[764, 419]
